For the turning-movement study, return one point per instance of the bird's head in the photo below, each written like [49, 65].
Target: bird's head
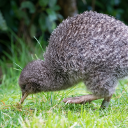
[30, 79]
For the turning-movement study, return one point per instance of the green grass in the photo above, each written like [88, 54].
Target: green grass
[46, 110]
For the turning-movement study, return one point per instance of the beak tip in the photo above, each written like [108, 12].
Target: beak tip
[20, 103]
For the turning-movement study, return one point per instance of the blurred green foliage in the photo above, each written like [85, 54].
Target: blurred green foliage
[28, 18]
[35, 14]
[114, 8]
[3, 25]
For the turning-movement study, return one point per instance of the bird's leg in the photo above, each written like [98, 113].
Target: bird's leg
[105, 102]
[81, 99]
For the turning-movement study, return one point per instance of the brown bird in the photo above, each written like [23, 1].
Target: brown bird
[89, 47]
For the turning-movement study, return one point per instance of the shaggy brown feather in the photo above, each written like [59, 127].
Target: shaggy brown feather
[89, 47]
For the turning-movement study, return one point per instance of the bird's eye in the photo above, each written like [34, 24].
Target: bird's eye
[23, 86]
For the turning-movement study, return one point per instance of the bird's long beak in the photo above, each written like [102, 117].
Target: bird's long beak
[23, 97]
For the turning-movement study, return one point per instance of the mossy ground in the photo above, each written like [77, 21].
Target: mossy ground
[47, 110]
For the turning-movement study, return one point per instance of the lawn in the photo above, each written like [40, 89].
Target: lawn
[46, 110]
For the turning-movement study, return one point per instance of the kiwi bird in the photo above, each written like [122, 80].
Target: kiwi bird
[89, 47]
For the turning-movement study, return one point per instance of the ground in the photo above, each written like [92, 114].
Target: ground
[47, 110]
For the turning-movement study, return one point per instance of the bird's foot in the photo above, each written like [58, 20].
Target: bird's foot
[80, 99]
[105, 102]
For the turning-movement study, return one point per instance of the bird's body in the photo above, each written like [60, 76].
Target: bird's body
[90, 47]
